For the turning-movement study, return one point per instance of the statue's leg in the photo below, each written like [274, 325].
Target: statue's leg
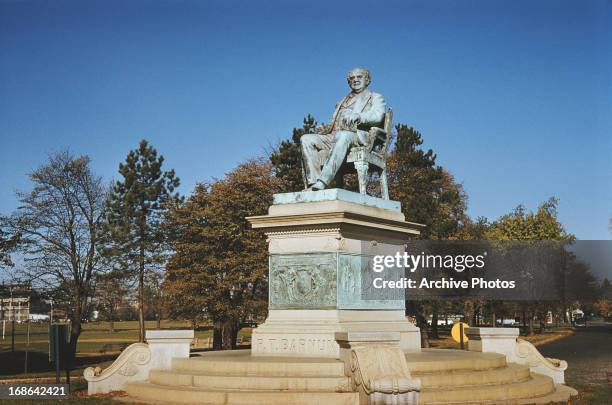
[315, 148]
[343, 140]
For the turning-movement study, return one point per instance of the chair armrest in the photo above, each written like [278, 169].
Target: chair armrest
[375, 134]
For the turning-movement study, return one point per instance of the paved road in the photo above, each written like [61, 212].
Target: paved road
[588, 353]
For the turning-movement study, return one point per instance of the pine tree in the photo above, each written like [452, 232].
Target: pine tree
[135, 211]
[428, 193]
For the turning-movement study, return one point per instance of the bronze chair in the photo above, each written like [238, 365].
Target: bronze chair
[373, 156]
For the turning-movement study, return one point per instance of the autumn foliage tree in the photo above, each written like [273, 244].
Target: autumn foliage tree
[219, 266]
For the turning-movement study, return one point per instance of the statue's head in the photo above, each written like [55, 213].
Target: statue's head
[358, 79]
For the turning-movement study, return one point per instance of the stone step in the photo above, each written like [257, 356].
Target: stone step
[561, 396]
[153, 393]
[442, 360]
[536, 386]
[503, 375]
[240, 362]
[249, 382]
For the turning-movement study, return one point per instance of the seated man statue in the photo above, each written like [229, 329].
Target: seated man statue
[324, 151]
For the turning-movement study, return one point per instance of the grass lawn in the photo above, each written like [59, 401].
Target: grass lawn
[96, 347]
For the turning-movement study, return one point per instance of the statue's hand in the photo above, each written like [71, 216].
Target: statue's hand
[350, 121]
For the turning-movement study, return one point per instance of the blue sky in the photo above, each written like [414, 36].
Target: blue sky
[513, 96]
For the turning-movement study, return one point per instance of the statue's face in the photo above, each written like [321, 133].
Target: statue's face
[358, 80]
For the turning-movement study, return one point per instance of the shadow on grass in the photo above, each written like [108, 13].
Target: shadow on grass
[12, 363]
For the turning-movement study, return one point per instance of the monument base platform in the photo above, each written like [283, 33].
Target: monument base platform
[321, 246]
[310, 333]
[237, 377]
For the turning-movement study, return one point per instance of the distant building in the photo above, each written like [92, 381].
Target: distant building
[15, 309]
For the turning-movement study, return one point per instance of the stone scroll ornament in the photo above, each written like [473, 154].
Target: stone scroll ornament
[527, 354]
[132, 365]
[380, 373]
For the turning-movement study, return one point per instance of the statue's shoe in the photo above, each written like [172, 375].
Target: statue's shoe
[319, 185]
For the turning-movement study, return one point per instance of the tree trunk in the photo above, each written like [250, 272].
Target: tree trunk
[494, 319]
[158, 321]
[424, 336]
[235, 331]
[434, 322]
[530, 329]
[228, 335]
[141, 322]
[217, 343]
[75, 332]
[111, 320]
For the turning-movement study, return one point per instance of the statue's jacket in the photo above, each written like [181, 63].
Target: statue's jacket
[369, 105]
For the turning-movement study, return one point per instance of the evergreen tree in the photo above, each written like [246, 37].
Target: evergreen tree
[428, 193]
[135, 211]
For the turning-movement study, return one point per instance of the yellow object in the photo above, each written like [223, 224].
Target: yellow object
[455, 331]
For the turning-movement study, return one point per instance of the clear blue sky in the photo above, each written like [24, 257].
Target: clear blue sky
[514, 96]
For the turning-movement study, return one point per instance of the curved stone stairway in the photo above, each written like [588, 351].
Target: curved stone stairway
[448, 377]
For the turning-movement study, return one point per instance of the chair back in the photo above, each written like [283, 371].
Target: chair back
[388, 127]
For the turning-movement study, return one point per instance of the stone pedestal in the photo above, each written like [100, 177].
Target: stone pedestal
[166, 344]
[505, 341]
[319, 243]
[495, 340]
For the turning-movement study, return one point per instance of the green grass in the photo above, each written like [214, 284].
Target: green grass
[97, 346]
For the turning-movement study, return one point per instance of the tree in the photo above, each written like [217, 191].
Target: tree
[8, 243]
[60, 223]
[111, 292]
[428, 193]
[522, 225]
[219, 268]
[286, 159]
[135, 211]
[542, 225]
